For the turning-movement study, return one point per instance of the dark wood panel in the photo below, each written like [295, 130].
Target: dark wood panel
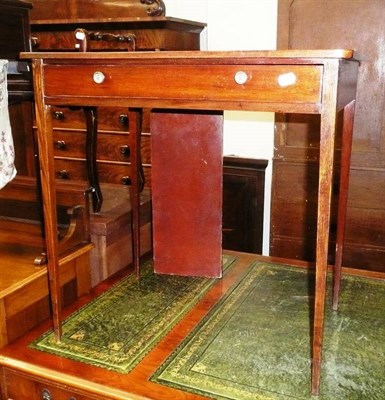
[14, 28]
[243, 204]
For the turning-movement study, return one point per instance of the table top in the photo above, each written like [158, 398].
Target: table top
[249, 56]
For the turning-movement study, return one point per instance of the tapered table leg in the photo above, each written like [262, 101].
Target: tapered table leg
[347, 134]
[135, 126]
[326, 164]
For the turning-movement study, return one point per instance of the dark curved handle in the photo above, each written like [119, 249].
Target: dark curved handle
[111, 37]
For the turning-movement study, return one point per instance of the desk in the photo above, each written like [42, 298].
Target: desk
[317, 82]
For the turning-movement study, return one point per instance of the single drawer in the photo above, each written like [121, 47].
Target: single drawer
[112, 146]
[65, 117]
[108, 118]
[215, 83]
[108, 172]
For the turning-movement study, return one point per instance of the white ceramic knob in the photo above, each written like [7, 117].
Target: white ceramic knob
[99, 77]
[241, 77]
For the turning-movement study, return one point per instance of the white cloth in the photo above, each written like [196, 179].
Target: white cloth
[7, 152]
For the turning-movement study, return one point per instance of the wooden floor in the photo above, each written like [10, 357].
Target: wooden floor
[92, 381]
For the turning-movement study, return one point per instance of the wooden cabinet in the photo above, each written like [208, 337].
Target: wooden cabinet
[113, 150]
[243, 203]
[109, 26]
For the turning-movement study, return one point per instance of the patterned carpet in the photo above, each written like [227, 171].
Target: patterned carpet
[121, 326]
[256, 343]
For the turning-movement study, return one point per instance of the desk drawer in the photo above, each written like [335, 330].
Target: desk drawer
[223, 83]
[113, 147]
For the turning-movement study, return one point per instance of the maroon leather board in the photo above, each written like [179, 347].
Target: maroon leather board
[186, 150]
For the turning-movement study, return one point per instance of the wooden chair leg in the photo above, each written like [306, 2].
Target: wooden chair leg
[343, 197]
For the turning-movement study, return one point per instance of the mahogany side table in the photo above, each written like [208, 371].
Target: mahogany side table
[314, 81]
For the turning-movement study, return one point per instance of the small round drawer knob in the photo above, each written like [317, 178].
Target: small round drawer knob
[123, 119]
[125, 150]
[63, 174]
[99, 77]
[58, 115]
[60, 144]
[241, 77]
[126, 180]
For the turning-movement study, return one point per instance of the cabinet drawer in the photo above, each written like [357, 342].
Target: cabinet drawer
[109, 118]
[110, 147]
[108, 172]
[222, 83]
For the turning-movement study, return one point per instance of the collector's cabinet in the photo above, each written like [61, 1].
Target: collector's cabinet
[110, 26]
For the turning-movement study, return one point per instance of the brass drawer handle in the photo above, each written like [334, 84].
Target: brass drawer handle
[125, 150]
[123, 119]
[126, 180]
[63, 174]
[61, 144]
[58, 115]
[46, 395]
